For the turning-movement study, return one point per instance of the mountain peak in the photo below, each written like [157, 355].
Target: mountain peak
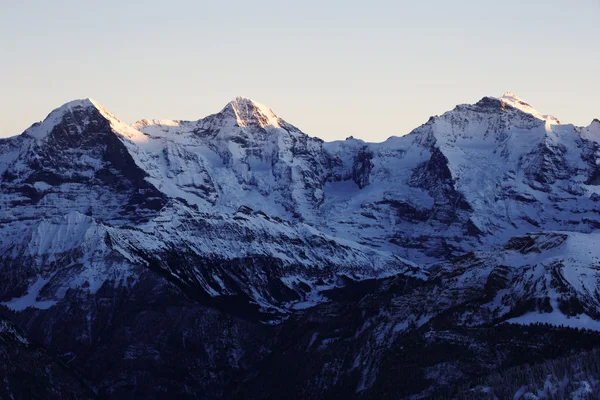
[248, 112]
[517, 102]
[80, 112]
[85, 103]
[510, 96]
[80, 105]
[77, 104]
[41, 129]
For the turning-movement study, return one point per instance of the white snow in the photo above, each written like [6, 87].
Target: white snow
[556, 318]
[515, 101]
[31, 298]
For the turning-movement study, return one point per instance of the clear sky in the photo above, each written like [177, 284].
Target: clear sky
[370, 69]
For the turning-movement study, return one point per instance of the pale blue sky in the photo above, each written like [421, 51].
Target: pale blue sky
[371, 69]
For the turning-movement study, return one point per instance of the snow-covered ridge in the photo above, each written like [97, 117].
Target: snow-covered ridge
[515, 101]
[241, 112]
[244, 112]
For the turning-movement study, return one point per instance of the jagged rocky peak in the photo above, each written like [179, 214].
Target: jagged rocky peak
[250, 113]
[87, 104]
[515, 101]
[240, 112]
[506, 102]
[75, 115]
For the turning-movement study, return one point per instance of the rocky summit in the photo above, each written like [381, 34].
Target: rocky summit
[237, 257]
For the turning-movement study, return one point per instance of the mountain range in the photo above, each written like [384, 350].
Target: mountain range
[235, 256]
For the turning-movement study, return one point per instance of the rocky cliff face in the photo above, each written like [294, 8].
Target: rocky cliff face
[196, 258]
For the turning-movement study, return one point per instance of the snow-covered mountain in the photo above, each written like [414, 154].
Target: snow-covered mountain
[81, 187]
[483, 215]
